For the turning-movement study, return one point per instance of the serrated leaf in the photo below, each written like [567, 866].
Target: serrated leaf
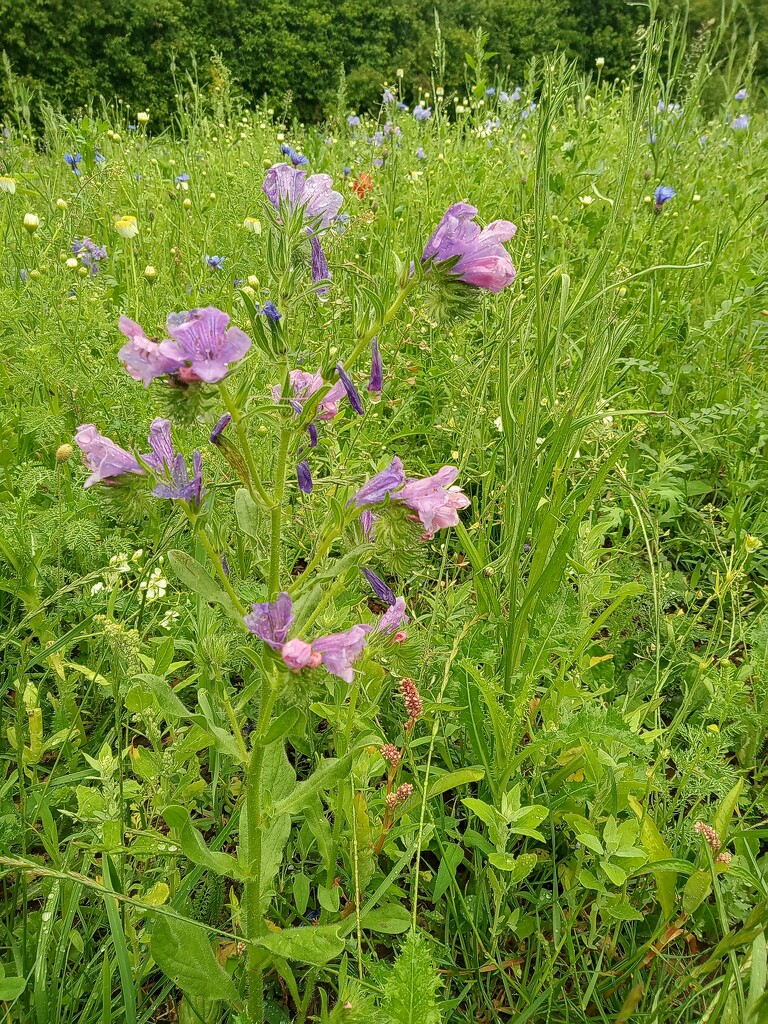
[182, 951]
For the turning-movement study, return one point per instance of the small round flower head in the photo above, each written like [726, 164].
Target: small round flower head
[411, 699]
[663, 194]
[724, 857]
[391, 754]
[404, 792]
[711, 837]
[31, 221]
[7, 184]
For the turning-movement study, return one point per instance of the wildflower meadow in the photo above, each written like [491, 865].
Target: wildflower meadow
[383, 524]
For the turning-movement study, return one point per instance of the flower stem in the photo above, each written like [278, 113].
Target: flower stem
[370, 334]
[216, 560]
[277, 514]
[239, 421]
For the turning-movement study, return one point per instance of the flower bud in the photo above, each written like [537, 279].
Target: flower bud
[61, 203]
[600, 62]
[31, 221]
[142, 117]
[64, 452]
[7, 184]
[150, 273]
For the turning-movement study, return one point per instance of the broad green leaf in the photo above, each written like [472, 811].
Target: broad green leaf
[502, 861]
[249, 516]
[182, 951]
[195, 576]
[11, 988]
[329, 772]
[193, 845]
[308, 945]
[282, 725]
[591, 842]
[657, 850]
[390, 919]
[524, 865]
[487, 814]
[151, 690]
[725, 809]
[452, 780]
[453, 855]
[696, 890]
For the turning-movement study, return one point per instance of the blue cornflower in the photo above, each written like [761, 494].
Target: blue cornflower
[297, 159]
[347, 170]
[73, 160]
[388, 96]
[341, 222]
[269, 309]
[181, 178]
[402, 106]
[662, 195]
[422, 113]
[490, 92]
[741, 122]
[741, 95]
[215, 262]
[353, 121]
[420, 154]
[378, 138]
[100, 158]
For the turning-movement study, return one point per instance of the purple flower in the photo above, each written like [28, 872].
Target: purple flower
[663, 194]
[73, 159]
[379, 587]
[215, 262]
[741, 122]
[420, 154]
[347, 171]
[105, 459]
[307, 384]
[304, 477]
[320, 268]
[434, 500]
[377, 139]
[297, 654]
[422, 113]
[142, 357]
[402, 106]
[297, 159]
[394, 618]
[741, 95]
[270, 310]
[379, 486]
[223, 423]
[272, 620]
[339, 651]
[202, 345]
[312, 431]
[490, 92]
[171, 467]
[313, 194]
[89, 252]
[353, 121]
[482, 259]
[351, 390]
[368, 523]
[377, 370]
[388, 96]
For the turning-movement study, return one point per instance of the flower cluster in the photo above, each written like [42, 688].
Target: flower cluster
[89, 253]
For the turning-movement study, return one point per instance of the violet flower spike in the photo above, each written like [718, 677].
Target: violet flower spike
[394, 618]
[171, 468]
[304, 476]
[351, 390]
[106, 460]
[379, 486]
[271, 620]
[379, 587]
[482, 259]
[217, 431]
[202, 345]
[339, 651]
[320, 268]
[377, 370]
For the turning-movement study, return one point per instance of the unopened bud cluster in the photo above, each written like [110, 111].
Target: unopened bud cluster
[411, 699]
[391, 754]
[401, 794]
[711, 837]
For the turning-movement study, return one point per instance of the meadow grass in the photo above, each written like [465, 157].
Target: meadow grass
[188, 831]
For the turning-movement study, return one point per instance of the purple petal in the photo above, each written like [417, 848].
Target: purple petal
[379, 587]
[379, 486]
[272, 620]
[304, 475]
[377, 370]
[351, 390]
[339, 651]
[393, 618]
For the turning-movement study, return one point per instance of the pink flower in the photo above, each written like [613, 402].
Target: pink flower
[202, 345]
[307, 384]
[340, 650]
[436, 503]
[103, 457]
[141, 356]
[298, 655]
[482, 259]
[393, 618]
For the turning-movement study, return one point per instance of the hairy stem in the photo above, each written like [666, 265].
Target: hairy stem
[276, 515]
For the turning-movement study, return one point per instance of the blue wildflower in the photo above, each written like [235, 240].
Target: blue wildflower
[304, 477]
[378, 138]
[351, 390]
[421, 113]
[347, 170]
[73, 160]
[741, 122]
[420, 154]
[353, 121]
[223, 423]
[662, 195]
[379, 587]
[215, 262]
[270, 310]
[171, 467]
[741, 95]
[180, 178]
[297, 159]
[490, 92]
[100, 158]
[402, 106]
[388, 96]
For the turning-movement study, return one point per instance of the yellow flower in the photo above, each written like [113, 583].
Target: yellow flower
[752, 543]
[61, 203]
[586, 200]
[127, 227]
[7, 184]
[713, 728]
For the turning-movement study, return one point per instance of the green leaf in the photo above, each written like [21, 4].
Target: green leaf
[657, 850]
[282, 725]
[591, 842]
[314, 946]
[390, 919]
[154, 691]
[249, 516]
[193, 845]
[329, 772]
[452, 780]
[11, 988]
[183, 952]
[453, 855]
[487, 814]
[696, 890]
[725, 809]
[410, 992]
[195, 576]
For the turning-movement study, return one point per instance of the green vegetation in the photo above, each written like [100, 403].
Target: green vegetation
[575, 830]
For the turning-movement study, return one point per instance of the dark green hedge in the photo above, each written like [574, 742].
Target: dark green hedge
[292, 49]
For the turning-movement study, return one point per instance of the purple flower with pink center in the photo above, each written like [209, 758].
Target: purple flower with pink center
[106, 460]
[271, 620]
[142, 357]
[313, 194]
[479, 254]
[202, 345]
[170, 467]
[297, 654]
[339, 651]
[434, 500]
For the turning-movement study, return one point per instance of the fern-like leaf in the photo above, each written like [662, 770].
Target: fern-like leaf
[410, 991]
